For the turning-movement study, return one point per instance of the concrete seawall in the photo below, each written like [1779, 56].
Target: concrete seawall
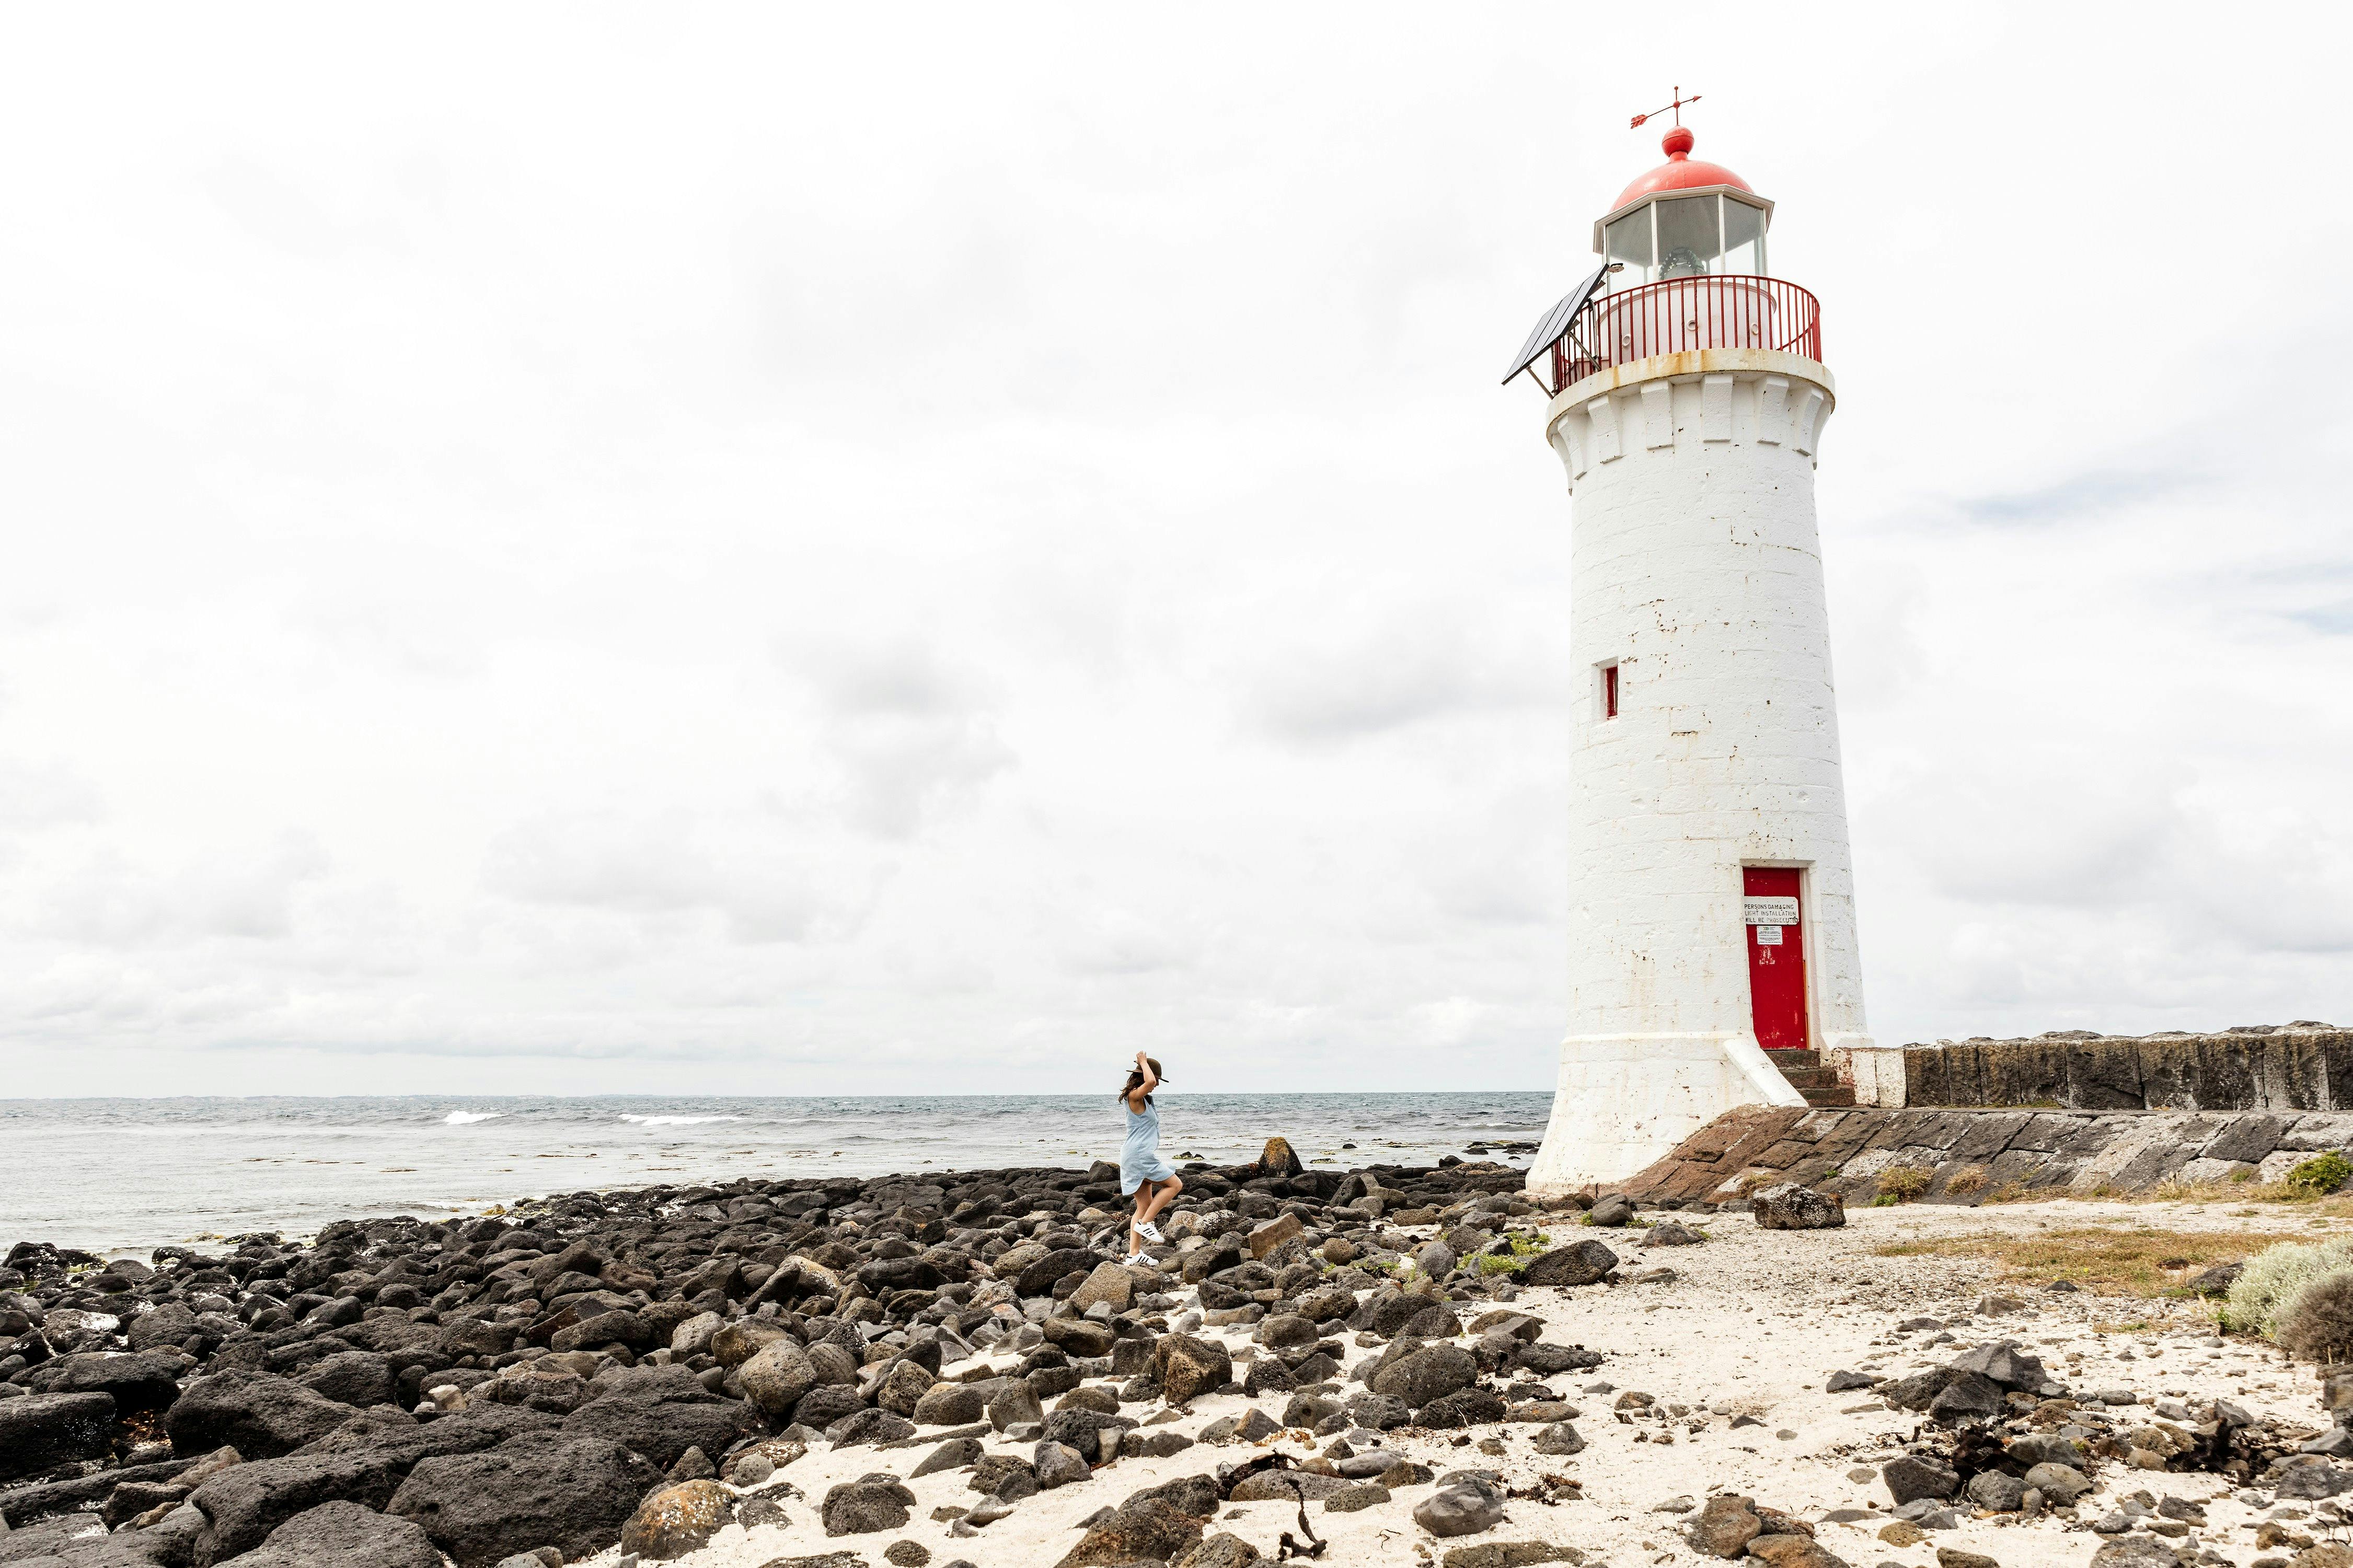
[2287, 1067]
[1973, 1156]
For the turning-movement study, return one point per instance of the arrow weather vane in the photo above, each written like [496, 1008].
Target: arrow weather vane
[1677, 106]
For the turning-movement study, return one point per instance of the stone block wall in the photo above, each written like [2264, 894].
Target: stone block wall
[2290, 1066]
[1974, 1154]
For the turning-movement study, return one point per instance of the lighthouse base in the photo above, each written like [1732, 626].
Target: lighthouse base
[1625, 1101]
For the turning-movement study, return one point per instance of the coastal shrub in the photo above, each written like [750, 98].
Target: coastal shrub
[1967, 1180]
[2318, 1320]
[1905, 1182]
[2274, 1276]
[2321, 1174]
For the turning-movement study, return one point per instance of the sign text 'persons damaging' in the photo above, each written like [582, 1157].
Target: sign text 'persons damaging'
[1771, 911]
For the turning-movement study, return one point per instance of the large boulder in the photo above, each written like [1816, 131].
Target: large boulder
[259, 1415]
[148, 1380]
[1915, 1476]
[1472, 1406]
[1143, 1529]
[1427, 1375]
[661, 1411]
[1464, 1509]
[953, 1455]
[1111, 1284]
[1277, 1158]
[464, 1337]
[165, 1326]
[1078, 1337]
[353, 1377]
[479, 1427]
[44, 1429]
[950, 1404]
[1086, 1431]
[692, 1336]
[868, 1504]
[1038, 1278]
[1724, 1526]
[777, 1375]
[1286, 1330]
[825, 1404]
[1967, 1397]
[1265, 1239]
[678, 1520]
[1578, 1263]
[342, 1535]
[1185, 1367]
[615, 1328]
[245, 1503]
[739, 1342]
[1790, 1206]
[2004, 1362]
[902, 1388]
[545, 1488]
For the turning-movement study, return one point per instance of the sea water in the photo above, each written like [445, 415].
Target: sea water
[122, 1175]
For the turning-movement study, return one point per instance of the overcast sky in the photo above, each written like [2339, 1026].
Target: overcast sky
[881, 549]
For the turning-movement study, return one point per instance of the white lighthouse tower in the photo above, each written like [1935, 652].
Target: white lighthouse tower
[1712, 932]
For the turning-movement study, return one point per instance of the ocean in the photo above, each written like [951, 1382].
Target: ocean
[121, 1177]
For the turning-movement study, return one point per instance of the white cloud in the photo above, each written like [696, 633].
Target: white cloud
[743, 550]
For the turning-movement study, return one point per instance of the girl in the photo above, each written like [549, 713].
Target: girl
[1141, 1171]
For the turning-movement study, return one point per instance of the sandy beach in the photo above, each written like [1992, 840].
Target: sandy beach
[1750, 1324]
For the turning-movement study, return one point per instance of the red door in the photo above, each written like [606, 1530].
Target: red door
[1776, 956]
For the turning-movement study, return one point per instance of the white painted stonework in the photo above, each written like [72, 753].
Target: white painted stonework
[1695, 566]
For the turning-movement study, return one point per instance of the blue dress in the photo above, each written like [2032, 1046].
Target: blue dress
[1139, 1157]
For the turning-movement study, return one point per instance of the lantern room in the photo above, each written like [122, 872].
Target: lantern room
[1682, 270]
[1683, 219]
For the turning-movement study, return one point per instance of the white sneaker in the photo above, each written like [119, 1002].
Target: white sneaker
[1150, 1232]
[1136, 1259]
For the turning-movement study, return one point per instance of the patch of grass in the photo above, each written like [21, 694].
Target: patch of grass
[2321, 1174]
[2098, 1258]
[1522, 1249]
[2009, 1193]
[1905, 1182]
[1884, 1201]
[2241, 1186]
[1967, 1180]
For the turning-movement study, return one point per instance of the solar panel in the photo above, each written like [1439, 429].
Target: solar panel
[1556, 321]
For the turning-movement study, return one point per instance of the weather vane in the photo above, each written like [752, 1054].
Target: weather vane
[1677, 106]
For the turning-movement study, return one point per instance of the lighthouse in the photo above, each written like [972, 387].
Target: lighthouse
[1711, 949]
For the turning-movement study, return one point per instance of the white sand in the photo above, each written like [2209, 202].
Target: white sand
[1752, 1324]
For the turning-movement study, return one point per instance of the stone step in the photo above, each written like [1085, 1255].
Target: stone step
[1836, 1097]
[1784, 1060]
[1811, 1078]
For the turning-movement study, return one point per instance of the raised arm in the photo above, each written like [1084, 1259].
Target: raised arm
[1151, 1081]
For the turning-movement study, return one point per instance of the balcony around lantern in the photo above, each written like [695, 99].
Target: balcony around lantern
[1680, 314]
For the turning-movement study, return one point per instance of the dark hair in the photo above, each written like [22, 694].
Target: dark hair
[1136, 1080]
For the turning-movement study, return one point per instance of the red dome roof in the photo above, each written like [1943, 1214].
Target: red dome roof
[1679, 173]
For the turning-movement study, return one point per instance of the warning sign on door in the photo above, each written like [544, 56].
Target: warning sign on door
[1771, 911]
[1769, 936]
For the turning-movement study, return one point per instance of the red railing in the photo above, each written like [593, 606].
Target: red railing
[1680, 314]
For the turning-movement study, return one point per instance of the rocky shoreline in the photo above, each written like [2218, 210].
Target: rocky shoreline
[526, 1382]
[651, 1375]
